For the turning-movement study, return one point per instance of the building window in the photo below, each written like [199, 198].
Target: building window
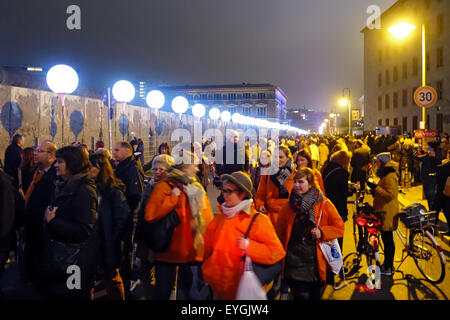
[439, 88]
[217, 96]
[427, 4]
[415, 67]
[404, 98]
[395, 74]
[439, 122]
[380, 122]
[380, 55]
[405, 70]
[261, 95]
[203, 96]
[388, 77]
[232, 110]
[428, 62]
[440, 24]
[380, 80]
[395, 102]
[247, 96]
[387, 102]
[231, 96]
[404, 124]
[388, 55]
[246, 111]
[440, 58]
[395, 122]
[387, 122]
[380, 103]
[415, 123]
[261, 112]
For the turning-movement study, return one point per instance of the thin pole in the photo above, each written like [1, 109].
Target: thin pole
[424, 72]
[109, 119]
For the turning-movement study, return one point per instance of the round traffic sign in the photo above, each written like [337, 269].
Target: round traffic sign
[425, 97]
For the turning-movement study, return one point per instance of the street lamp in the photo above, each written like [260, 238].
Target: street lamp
[344, 102]
[62, 79]
[403, 30]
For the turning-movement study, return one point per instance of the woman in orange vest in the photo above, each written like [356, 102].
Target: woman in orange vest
[303, 159]
[273, 190]
[224, 243]
[305, 220]
[183, 193]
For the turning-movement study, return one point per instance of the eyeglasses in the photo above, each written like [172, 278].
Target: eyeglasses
[228, 191]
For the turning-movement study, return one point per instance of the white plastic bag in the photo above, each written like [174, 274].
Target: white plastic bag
[332, 253]
[249, 286]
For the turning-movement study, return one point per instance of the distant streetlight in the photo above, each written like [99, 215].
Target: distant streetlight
[346, 102]
[403, 30]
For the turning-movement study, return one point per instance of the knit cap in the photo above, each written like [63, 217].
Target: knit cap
[384, 157]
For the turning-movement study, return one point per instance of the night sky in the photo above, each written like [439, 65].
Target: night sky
[311, 49]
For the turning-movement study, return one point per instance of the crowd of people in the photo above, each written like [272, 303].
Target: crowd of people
[68, 205]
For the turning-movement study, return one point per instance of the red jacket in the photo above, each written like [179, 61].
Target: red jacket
[331, 227]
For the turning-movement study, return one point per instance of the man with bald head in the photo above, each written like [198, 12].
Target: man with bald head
[38, 196]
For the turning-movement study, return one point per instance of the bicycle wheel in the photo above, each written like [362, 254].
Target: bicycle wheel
[351, 264]
[427, 256]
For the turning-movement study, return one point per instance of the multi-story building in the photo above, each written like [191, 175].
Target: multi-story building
[306, 119]
[393, 68]
[255, 100]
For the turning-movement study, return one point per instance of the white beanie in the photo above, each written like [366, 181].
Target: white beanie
[384, 157]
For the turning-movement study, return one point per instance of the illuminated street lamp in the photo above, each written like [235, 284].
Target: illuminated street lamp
[403, 30]
[346, 102]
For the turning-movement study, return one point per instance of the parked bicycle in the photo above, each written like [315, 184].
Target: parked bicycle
[420, 244]
[366, 235]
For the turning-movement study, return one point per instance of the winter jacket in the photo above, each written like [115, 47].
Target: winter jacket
[222, 267]
[7, 209]
[323, 153]
[385, 200]
[131, 173]
[74, 222]
[161, 202]
[331, 227]
[268, 196]
[336, 187]
[12, 162]
[113, 212]
[360, 161]
[240, 159]
[441, 201]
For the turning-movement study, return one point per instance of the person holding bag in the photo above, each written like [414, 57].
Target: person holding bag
[236, 231]
[298, 228]
[182, 193]
[69, 225]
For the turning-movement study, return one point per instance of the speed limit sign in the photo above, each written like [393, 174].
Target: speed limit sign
[425, 97]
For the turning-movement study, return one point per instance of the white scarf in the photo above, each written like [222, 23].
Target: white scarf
[244, 205]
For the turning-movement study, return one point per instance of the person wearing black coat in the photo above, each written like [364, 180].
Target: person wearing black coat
[13, 158]
[113, 213]
[428, 174]
[442, 201]
[335, 178]
[38, 196]
[132, 175]
[71, 220]
[360, 163]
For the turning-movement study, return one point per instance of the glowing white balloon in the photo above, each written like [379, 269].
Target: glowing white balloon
[62, 79]
[236, 117]
[198, 110]
[180, 104]
[155, 99]
[123, 91]
[225, 116]
[214, 113]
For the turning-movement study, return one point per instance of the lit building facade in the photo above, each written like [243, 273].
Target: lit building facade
[393, 68]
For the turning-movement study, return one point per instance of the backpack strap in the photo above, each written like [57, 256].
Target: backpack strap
[251, 224]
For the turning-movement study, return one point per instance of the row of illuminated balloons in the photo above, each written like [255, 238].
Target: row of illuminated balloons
[63, 79]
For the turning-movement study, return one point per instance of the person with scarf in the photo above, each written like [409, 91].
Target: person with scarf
[303, 159]
[181, 192]
[273, 190]
[307, 218]
[160, 165]
[71, 220]
[224, 238]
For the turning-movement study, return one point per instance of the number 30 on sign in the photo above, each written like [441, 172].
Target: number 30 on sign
[425, 97]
